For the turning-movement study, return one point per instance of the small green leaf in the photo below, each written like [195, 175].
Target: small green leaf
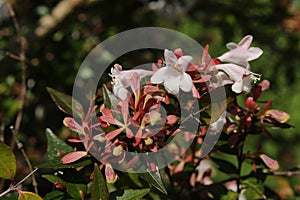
[28, 196]
[154, 179]
[110, 100]
[134, 194]
[56, 145]
[64, 102]
[53, 179]
[73, 189]
[8, 163]
[56, 163]
[255, 187]
[99, 188]
[225, 166]
[230, 195]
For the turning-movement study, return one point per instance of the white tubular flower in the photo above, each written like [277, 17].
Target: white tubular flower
[121, 79]
[241, 53]
[173, 75]
[240, 76]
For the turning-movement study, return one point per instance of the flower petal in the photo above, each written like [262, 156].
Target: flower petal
[254, 52]
[231, 45]
[235, 72]
[120, 91]
[170, 58]
[246, 41]
[159, 75]
[184, 62]
[237, 87]
[186, 83]
[172, 85]
[247, 84]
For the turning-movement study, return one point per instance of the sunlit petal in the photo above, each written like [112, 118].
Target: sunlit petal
[246, 41]
[237, 87]
[184, 62]
[186, 83]
[172, 85]
[159, 75]
[170, 58]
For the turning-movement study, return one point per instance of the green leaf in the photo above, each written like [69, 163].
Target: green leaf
[56, 163]
[54, 195]
[230, 195]
[11, 196]
[155, 179]
[8, 163]
[28, 196]
[73, 189]
[253, 189]
[217, 190]
[134, 194]
[110, 100]
[56, 145]
[225, 166]
[53, 179]
[64, 102]
[99, 188]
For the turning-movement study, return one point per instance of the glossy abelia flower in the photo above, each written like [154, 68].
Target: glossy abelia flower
[240, 77]
[121, 79]
[241, 53]
[173, 76]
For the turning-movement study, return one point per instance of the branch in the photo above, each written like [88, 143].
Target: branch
[15, 187]
[58, 14]
[21, 148]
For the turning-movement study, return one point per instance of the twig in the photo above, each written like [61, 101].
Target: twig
[15, 187]
[49, 22]
[21, 148]
[11, 55]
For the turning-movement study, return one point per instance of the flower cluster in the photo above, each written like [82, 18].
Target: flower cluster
[144, 118]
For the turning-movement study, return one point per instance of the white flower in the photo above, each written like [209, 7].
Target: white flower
[238, 68]
[173, 75]
[241, 53]
[240, 77]
[121, 79]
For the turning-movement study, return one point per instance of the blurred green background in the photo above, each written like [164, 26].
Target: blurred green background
[61, 33]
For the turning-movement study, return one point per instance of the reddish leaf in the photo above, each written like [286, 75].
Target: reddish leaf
[269, 162]
[111, 135]
[73, 156]
[251, 105]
